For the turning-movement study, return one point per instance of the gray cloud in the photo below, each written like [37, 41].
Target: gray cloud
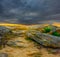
[29, 11]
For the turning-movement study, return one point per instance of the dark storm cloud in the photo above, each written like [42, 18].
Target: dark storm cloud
[29, 11]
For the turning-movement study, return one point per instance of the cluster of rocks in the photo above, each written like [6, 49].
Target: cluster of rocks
[5, 34]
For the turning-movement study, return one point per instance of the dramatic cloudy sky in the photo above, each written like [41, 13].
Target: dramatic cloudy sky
[29, 11]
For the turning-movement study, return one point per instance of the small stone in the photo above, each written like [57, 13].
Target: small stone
[3, 55]
[14, 44]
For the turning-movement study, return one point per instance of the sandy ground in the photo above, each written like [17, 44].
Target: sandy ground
[30, 49]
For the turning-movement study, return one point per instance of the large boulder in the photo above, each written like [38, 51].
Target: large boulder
[44, 39]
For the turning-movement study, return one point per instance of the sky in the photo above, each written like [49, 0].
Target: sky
[29, 11]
